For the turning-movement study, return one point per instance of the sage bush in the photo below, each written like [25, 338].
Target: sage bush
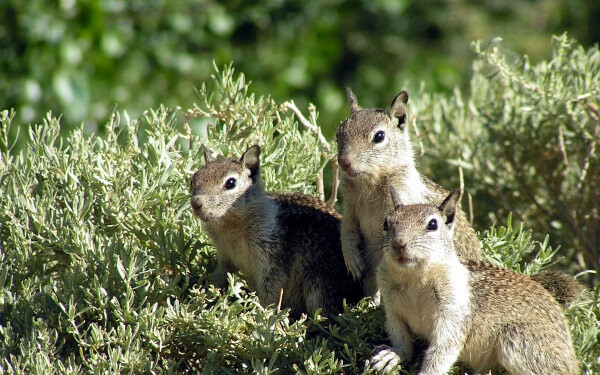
[103, 268]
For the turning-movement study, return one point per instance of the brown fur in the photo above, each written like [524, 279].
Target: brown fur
[278, 241]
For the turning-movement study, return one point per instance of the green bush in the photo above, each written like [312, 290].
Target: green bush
[104, 269]
[81, 58]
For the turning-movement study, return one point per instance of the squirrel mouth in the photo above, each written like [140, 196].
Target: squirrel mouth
[402, 259]
[203, 216]
[351, 172]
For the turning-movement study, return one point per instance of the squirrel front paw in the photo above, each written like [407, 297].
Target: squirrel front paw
[355, 265]
[386, 359]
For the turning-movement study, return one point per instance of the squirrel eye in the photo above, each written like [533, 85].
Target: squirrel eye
[385, 225]
[230, 183]
[432, 225]
[379, 136]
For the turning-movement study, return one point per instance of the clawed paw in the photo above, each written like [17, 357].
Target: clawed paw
[386, 359]
[356, 266]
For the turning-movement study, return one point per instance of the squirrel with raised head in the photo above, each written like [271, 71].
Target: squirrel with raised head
[375, 153]
[288, 242]
[485, 316]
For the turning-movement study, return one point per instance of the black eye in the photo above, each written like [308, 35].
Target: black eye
[385, 225]
[379, 136]
[432, 225]
[230, 183]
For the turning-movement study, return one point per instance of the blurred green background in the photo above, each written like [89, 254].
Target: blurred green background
[84, 58]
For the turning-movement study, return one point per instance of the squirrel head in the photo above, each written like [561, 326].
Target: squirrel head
[419, 235]
[224, 186]
[371, 141]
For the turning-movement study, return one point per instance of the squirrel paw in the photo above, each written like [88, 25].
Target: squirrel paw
[386, 360]
[355, 265]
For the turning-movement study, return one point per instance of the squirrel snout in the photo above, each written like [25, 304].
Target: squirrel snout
[196, 204]
[398, 244]
[344, 162]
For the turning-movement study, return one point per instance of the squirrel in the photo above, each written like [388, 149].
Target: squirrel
[282, 243]
[483, 315]
[375, 153]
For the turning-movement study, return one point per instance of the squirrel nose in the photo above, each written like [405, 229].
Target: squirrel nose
[398, 244]
[344, 162]
[196, 204]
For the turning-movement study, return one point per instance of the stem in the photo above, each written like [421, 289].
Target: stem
[313, 127]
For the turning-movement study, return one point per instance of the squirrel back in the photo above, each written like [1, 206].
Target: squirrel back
[287, 245]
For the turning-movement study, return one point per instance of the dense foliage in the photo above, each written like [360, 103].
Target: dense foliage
[104, 269]
[81, 58]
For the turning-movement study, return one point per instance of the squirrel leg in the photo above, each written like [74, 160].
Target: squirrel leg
[219, 277]
[351, 246]
[270, 285]
[444, 348]
[388, 358]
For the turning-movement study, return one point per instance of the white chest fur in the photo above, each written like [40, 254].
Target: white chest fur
[426, 300]
[373, 203]
[240, 241]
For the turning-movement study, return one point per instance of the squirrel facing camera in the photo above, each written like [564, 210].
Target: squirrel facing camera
[369, 138]
[482, 315]
[224, 185]
[407, 226]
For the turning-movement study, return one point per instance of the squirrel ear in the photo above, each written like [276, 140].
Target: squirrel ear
[251, 160]
[395, 198]
[352, 100]
[207, 157]
[448, 206]
[398, 107]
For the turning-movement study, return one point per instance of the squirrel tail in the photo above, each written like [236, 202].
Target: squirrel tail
[564, 288]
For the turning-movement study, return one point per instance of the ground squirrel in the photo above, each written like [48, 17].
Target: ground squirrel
[278, 241]
[483, 315]
[374, 152]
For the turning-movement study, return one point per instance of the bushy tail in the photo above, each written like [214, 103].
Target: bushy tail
[564, 288]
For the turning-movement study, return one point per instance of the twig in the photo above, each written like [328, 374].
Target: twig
[320, 188]
[461, 179]
[592, 111]
[561, 147]
[470, 208]
[335, 183]
[418, 136]
[280, 299]
[312, 126]
[586, 164]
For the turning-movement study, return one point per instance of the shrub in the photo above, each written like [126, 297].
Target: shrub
[104, 269]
